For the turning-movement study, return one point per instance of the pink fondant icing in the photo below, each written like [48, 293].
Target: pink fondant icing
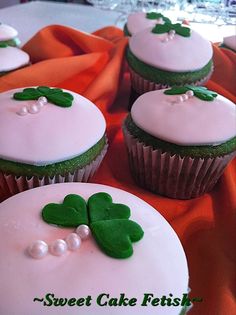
[137, 21]
[179, 54]
[157, 266]
[52, 135]
[12, 58]
[191, 122]
[7, 32]
[230, 42]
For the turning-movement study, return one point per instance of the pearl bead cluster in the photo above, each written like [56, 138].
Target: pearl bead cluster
[169, 36]
[39, 249]
[185, 97]
[34, 108]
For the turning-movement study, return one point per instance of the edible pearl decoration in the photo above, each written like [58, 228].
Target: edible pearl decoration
[38, 249]
[83, 231]
[189, 93]
[184, 97]
[23, 111]
[73, 241]
[169, 36]
[172, 32]
[180, 98]
[58, 247]
[165, 40]
[33, 109]
[42, 100]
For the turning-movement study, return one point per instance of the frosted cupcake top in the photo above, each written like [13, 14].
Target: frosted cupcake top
[87, 270]
[165, 47]
[184, 118]
[12, 58]
[7, 32]
[230, 42]
[44, 126]
[138, 21]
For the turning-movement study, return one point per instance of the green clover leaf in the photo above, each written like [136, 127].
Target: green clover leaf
[108, 221]
[168, 26]
[203, 93]
[176, 90]
[200, 92]
[71, 213]
[181, 30]
[3, 45]
[161, 28]
[115, 237]
[54, 95]
[101, 207]
[156, 16]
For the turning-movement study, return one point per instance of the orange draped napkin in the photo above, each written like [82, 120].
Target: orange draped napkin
[93, 64]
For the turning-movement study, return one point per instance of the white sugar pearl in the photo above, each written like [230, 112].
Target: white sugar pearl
[34, 109]
[38, 249]
[83, 231]
[172, 32]
[189, 93]
[180, 98]
[42, 100]
[40, 104]
[58, 247]
[166, 39]
[23, 111]
[171, 37]
[185, 97]
[73, 241]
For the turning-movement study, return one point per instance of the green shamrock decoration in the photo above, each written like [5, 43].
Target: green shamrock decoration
[199, 91]
[109, 222]
[101, 207]
[53, 95]
[71, 213]
[115, 236]
[156, 16]
[165, 28]
[3, 45]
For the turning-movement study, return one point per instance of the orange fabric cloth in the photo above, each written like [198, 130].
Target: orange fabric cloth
[92, 65]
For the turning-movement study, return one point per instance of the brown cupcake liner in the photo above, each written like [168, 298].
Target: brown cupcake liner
[172, 175]
[11, 184]
[141, 85]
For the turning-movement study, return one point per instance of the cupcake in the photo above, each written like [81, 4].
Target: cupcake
[229, 42]
[180, 140]
[55, 269]
[138, 21]
[12, 58]
[48, 135]
[168, 55]
[8, 35]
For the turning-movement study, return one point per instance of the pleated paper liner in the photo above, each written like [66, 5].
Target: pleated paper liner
[11, 184]
[172, 175]
[141, 85]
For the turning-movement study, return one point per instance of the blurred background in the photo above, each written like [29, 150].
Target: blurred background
[7, 3]
[219, 12]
